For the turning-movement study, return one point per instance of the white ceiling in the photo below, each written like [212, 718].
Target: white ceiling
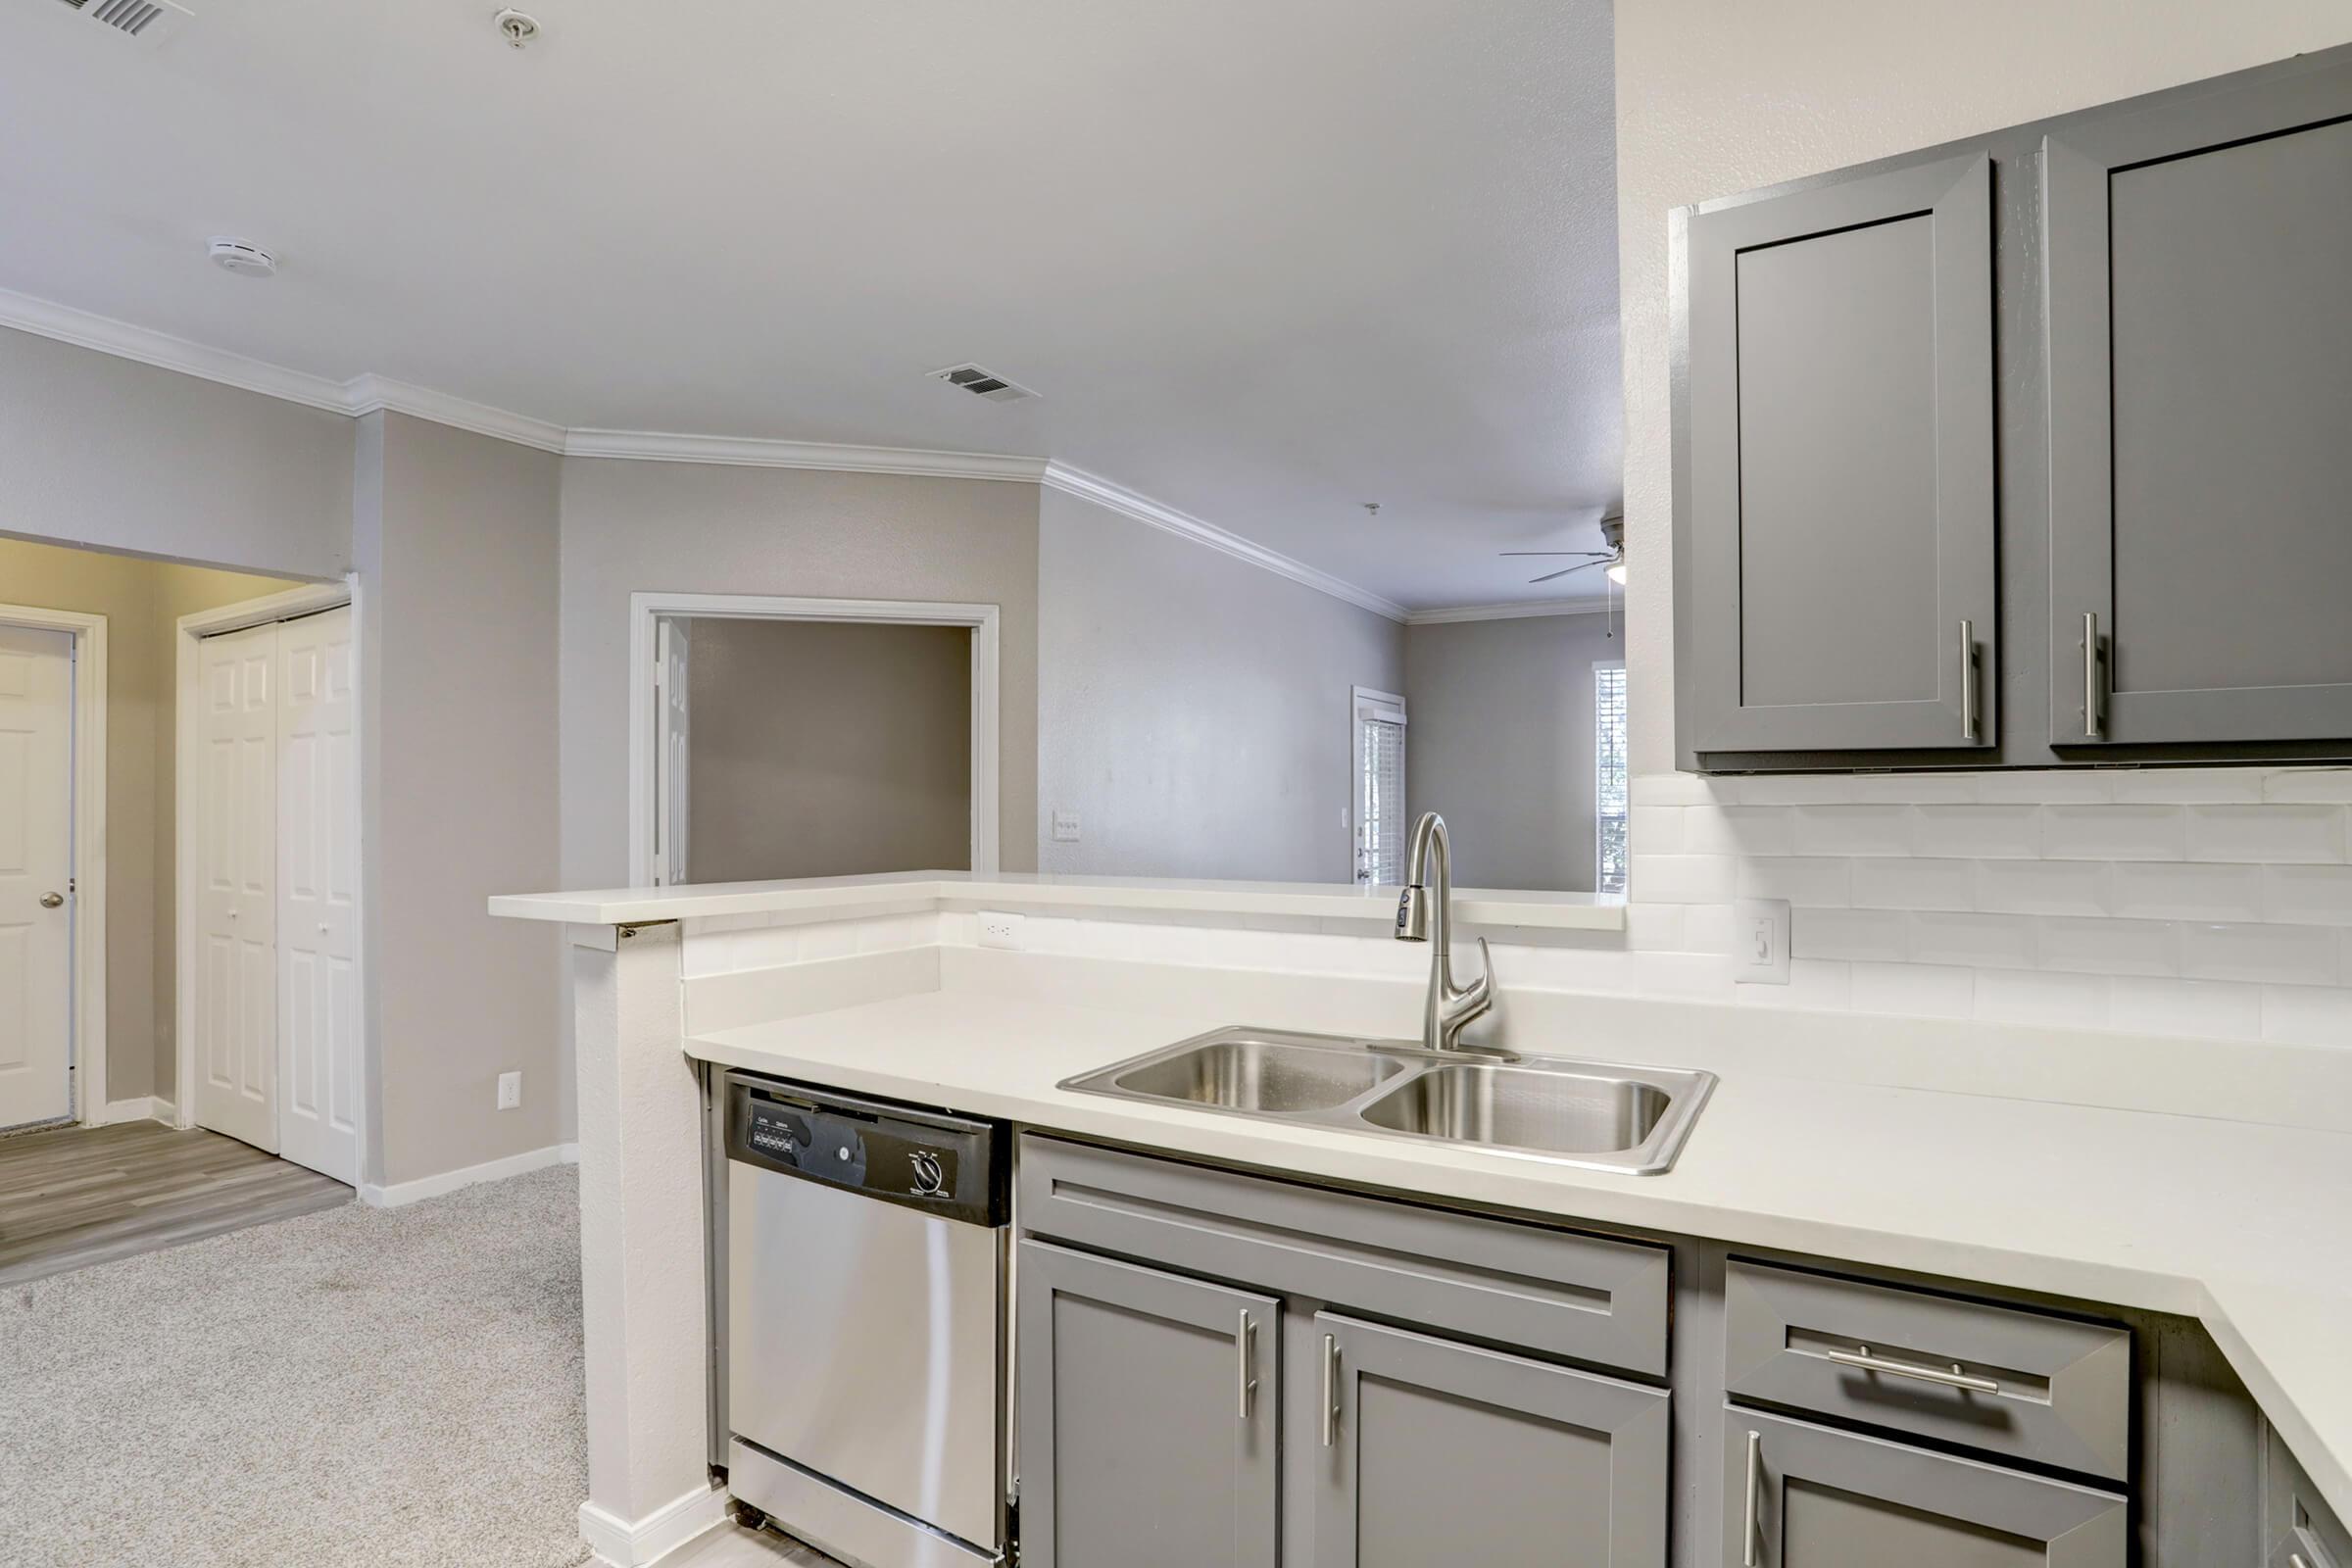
[1266, 259]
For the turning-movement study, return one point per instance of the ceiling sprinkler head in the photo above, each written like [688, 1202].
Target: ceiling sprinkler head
[515, 28]
[1371, 509]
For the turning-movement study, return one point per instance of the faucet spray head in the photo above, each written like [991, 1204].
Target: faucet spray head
[1412, 914]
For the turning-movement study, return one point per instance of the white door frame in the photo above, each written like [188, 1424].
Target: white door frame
[644, 609]
[307, 600]
[88, 980]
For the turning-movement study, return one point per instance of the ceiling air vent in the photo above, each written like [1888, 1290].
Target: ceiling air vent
[142, 19]
[983, 383]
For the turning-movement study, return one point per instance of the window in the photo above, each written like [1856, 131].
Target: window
[1608, 777]
[1381, 824]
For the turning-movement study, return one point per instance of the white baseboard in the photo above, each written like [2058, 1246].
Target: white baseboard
[146, 1108]
[618, 1544]
[449, 1181]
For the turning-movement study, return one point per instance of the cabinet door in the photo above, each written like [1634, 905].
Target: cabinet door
[1148, 1417]
[1805, 1496]
[1840, 546]
[1428, 1451]
[2298, 1530]
[2200, 387]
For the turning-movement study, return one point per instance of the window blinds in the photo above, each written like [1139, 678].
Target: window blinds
[1610, 778]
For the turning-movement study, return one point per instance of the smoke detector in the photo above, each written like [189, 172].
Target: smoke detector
[515, 26]
[241, 257]
[983, 383]
[142, 19]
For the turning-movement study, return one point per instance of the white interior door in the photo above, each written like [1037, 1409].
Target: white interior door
[236, 898]
[36, 859]
[317, 895]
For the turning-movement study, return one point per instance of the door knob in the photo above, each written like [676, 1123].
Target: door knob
[50, 900]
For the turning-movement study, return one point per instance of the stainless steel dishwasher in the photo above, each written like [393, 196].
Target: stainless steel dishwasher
[865, 1350]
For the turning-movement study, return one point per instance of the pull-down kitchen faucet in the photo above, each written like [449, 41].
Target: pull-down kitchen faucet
[1424, 914]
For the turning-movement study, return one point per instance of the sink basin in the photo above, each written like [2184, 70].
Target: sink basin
[1523, 1108]
[1260, 1072]
[1599, 1115]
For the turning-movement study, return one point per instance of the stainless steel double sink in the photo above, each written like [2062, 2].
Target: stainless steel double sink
[1597, 1115]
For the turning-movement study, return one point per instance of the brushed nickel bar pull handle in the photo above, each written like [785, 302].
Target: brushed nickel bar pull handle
[1755, 1480]
[2091, 673]
[1243, 1342]
[2294, 1559]
[1954, 1378]
[1331, 1390]
[1967, 680]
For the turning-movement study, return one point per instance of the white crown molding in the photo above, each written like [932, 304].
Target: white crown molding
[368, 393]
[1514, 611]
[1142, 509]
[659, 446]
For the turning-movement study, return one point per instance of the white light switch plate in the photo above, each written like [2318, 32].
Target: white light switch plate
[1760, 941]
[998, 929]
[1066, 827]
[509, 1091]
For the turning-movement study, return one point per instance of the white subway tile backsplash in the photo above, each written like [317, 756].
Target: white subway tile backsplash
[2320, 895]
[1658, 829]
[1801, 880]
[1825, 983]
[2042, 887]
[1737, 830]
[2284, 954]
[1977, 941]
[1977, 832]
[1877, 935]
[2109, 946]
[1707, 928]
[2182, 785]
[1892, 884]
[2080, 787]
[1916, 789]
[1657, 927]
[2267, 835]
[1795, 789]
[1850, 829]
[2153, 891]
[1675, 789]
[2034, 995]
[1681, 878]
[1914, 990]
[2114, 832]
[2206, 1008]
[2304, 1016]
[2317, 784]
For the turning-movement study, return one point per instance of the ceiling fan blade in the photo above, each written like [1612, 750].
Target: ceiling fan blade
[1596, 555]
[1562, 573]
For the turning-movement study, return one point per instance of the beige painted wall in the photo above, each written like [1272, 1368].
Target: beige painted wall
[827, 749]
[140, 600]
[702, 528]
[101, 451]
[457, 550]
[1194, 710]
[1498, 740]
[1714, 98]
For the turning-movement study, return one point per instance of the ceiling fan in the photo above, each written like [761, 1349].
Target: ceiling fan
[1612, 534]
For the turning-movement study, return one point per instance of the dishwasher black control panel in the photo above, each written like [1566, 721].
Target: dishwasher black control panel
[943, 1164]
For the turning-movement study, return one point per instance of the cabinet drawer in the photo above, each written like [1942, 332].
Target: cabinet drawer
[2298, 1530]
[2018, 1384]
[1588, 1297]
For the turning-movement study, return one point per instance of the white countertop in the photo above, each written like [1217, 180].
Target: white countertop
[2243, 1226]
[844, 897]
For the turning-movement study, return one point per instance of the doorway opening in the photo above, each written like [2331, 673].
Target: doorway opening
[780, 737]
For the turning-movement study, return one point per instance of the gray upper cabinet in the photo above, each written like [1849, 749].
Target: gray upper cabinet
[2200, 360]
[1840, 525]
[1798, 1496]
[1149, 1417]
[1428, 1452]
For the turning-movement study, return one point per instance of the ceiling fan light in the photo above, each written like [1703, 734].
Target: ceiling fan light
[1616, 572]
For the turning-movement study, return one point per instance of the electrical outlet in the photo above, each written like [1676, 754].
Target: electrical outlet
[998, 929]
[509, 1091]
[1760, 937]
[1066, 827]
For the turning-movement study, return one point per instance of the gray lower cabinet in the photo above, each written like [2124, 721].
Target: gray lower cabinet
[1840, 559]
[2298, 1530]
[1149, 1417]
[1430, 1452]
[1799, 1496]
[2199, 358]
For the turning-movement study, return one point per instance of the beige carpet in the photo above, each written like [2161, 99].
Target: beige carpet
[372, 1388]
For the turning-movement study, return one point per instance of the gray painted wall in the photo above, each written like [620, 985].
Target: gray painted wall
[1192, 710]
[457, 545]
[1498, 740]
[103, 451]
[140, 601]
[702, 528]
[825, 748]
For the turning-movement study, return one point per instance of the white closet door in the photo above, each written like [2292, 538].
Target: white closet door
[36, 855]
[317, 895]
[236, 899]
